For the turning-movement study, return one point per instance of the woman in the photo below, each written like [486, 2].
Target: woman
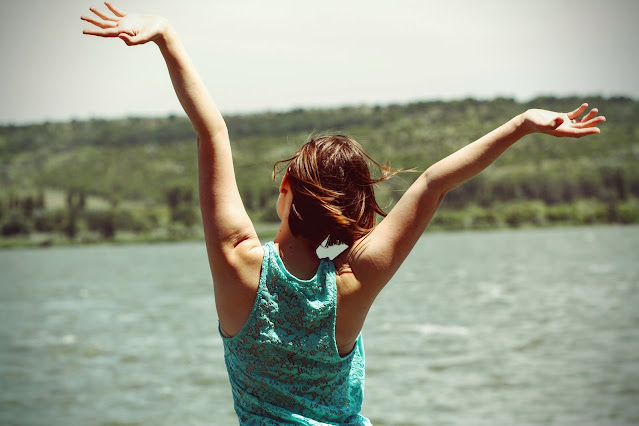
[291, 322]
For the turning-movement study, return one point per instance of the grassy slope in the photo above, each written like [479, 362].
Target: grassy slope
[132, 162]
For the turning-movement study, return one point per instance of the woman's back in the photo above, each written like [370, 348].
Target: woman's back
[284, 365]
[352, 299]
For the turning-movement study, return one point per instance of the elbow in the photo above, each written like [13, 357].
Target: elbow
[221, 131]
[208, 127]
[212, 132]
[435, 186]
[206, 139]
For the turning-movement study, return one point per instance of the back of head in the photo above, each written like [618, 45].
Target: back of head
[333, 191]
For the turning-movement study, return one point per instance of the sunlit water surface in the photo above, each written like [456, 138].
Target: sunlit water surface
[530, 327]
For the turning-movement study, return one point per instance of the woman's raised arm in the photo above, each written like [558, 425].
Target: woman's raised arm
[227, 226]
[376, 257]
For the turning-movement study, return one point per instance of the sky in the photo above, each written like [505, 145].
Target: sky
[258, 55]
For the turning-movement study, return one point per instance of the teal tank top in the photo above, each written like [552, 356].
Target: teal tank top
[283, 365]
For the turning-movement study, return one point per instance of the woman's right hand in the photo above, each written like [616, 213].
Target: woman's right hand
[564, 124]
[133, 29]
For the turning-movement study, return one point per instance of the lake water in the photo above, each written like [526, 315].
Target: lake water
[529, 327]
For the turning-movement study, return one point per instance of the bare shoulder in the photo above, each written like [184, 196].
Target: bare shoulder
[248, 252]
[236, 277]
[353, 304]
[365, 266]
[362, 271]
[377, 256]
[347, 282]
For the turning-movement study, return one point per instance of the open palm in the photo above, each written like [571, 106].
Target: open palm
[565, 124]
[133, 29]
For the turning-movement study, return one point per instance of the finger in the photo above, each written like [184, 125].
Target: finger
[593, 112]
[576, 113]
[117, 12]
[101, 24]
[101, 15]
[107, 32]
[590, 123]
[585, 132]
[573, 132]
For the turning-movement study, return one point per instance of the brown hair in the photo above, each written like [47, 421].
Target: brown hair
[333, 194]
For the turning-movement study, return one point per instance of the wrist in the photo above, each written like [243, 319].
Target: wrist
[525, 125]
[165, 33]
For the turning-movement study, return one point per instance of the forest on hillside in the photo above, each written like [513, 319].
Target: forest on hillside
[135, 178]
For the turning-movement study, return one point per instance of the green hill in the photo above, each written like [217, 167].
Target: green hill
[137, 176]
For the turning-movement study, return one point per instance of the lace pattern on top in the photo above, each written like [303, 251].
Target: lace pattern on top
[283, 365]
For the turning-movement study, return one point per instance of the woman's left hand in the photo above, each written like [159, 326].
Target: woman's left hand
[133, 29]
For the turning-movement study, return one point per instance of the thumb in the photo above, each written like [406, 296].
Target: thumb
[128, 39]
[556, 122]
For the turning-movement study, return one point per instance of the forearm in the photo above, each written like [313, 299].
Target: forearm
[475, 157]
[222, 211]
[190, 90]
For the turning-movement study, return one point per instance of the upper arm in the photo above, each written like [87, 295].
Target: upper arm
[376, 257]
[234, 251]
[227, 227]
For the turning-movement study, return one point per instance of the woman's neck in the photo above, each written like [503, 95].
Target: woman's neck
[298, 254]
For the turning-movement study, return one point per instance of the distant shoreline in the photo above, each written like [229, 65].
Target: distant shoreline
[47, 241]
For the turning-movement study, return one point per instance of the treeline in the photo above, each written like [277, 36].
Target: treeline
[96, 179]
[75, 220]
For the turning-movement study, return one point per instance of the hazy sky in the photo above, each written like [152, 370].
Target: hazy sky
[257, 55]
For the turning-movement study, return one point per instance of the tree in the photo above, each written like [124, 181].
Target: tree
[76, 201]
[180, 200]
